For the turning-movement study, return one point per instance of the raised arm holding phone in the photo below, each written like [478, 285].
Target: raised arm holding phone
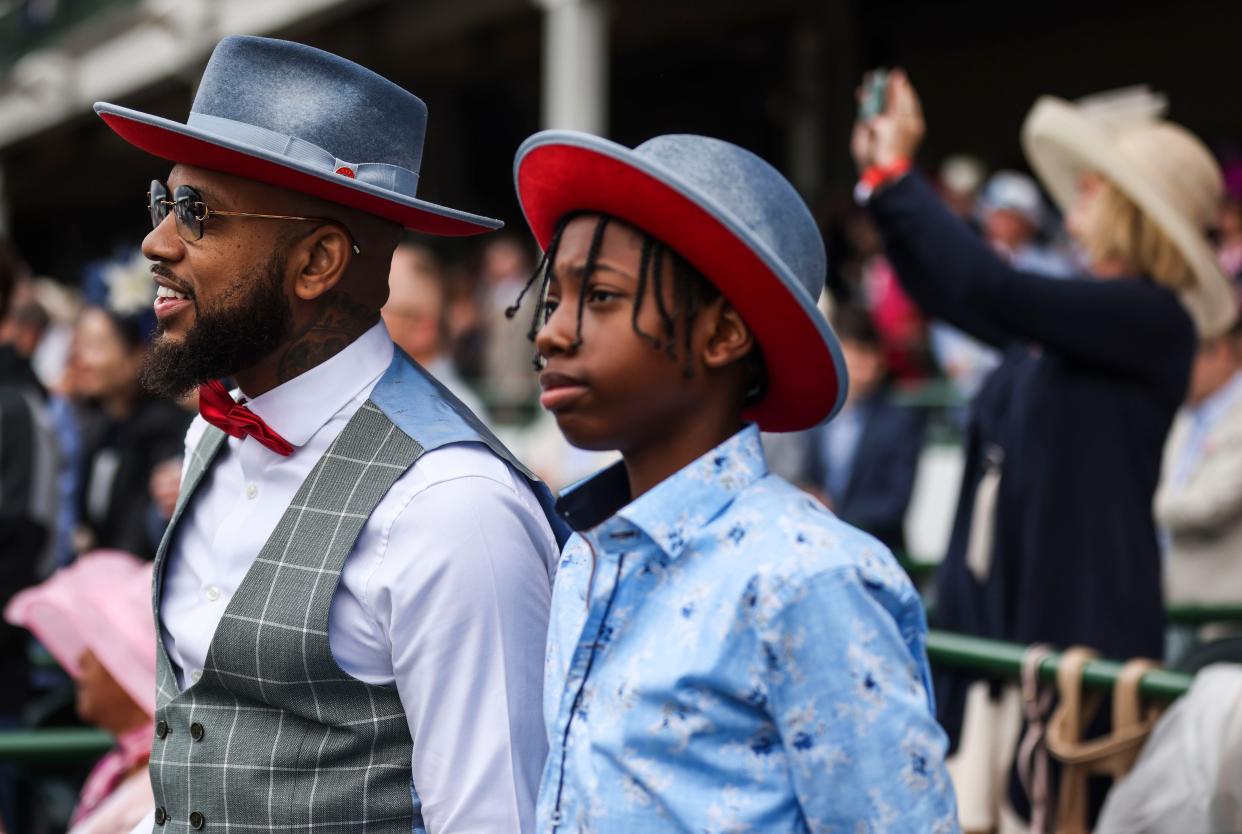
[1053, 538]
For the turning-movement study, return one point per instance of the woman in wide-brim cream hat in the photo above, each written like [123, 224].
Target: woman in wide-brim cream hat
[1054, 539]
[1118, 141]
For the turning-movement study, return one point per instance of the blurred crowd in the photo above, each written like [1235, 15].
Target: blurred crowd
[92, 463]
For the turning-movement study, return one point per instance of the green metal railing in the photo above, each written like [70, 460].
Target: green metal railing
[933, 394]
[58, 744]
[987, 658]
[1199, 614]
[994, 658]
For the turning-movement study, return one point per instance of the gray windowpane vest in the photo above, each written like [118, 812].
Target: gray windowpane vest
[275, 736]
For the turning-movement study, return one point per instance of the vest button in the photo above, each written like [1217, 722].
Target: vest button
[161, 816]
[161, 729]
[197, 821]
[196, 731]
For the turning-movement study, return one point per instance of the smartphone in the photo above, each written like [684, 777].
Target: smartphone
[875, 95]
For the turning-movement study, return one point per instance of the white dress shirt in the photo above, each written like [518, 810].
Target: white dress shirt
[445, 594]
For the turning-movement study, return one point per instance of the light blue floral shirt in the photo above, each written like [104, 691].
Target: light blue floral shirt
[734, 659]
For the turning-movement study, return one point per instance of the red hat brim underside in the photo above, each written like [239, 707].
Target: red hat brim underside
[803, 385]
[190, 150]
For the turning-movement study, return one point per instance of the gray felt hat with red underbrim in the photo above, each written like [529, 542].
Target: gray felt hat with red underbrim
[729, 214]
[300, 118]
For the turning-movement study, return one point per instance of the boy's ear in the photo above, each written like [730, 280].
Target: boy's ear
[729, 339]
[320, 260]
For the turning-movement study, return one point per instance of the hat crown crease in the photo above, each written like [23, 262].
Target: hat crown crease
[295, 90]
[754, 193]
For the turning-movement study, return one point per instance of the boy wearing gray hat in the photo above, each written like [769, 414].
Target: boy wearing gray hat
[723, 653]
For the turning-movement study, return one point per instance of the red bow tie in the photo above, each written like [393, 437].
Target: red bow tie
[219, 409]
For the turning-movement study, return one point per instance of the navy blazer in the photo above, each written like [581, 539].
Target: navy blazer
[882, 477]
[1078, 411]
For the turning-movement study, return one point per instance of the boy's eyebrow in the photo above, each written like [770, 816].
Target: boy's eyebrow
[599, 267]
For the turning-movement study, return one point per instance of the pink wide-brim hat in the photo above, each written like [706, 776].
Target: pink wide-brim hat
[101, 602]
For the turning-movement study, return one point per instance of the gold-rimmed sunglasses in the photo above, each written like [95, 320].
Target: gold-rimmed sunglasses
[192, 212]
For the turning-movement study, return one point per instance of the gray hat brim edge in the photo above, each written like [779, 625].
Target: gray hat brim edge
[463, 223]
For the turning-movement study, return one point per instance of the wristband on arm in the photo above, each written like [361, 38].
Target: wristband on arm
[878, 176]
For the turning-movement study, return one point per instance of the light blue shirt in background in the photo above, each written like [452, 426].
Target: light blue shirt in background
[726, 656]
[1203, 418]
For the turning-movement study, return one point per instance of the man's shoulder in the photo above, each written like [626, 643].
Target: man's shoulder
[465, 459]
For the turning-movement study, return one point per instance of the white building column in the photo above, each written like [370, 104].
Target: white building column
[575, 65]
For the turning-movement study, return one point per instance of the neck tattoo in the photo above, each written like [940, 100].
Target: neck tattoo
[338, 322]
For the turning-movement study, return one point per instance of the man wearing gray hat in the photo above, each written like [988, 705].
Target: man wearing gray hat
[352, 594]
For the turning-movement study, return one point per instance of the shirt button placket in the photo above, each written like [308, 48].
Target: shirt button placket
[580, 669]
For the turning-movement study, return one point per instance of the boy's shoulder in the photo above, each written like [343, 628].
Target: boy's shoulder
[791, 539]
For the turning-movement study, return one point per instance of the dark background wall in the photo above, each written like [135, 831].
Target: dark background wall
[774, 75]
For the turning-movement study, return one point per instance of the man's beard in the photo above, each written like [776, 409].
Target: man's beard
[252, 321]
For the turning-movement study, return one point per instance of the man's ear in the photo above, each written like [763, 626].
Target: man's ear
[319, 261]
[729, 339]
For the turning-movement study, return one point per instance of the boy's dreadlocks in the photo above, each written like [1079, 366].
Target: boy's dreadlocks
[691, 291]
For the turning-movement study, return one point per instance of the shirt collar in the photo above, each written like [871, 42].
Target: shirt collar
[1213, 406]
[671, 510]
[302, 406]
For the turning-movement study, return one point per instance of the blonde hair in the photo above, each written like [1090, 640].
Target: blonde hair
[1117, 229]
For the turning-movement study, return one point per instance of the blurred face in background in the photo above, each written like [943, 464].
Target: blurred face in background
[1008, 229]
[505, 260]
[101, 701]
[105, 366]
[1231, 221]
[1215, 364]
[866, 367]
[415, 311]
[1121, 240]
[1079, 218]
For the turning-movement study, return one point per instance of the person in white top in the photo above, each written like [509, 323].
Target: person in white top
[439, 608]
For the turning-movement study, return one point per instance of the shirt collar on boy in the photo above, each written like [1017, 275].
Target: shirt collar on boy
[673, 509]
[300, 407]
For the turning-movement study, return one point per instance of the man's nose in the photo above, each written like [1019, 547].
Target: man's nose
[163, 243]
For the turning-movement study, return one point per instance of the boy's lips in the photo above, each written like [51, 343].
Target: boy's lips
[559, 390]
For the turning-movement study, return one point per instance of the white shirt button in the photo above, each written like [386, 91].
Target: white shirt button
[212, 593]
[195, 674]
[252, 490]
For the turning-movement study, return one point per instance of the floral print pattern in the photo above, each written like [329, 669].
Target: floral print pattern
[724, 655]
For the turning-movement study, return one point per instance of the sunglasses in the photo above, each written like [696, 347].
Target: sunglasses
[192, 212]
